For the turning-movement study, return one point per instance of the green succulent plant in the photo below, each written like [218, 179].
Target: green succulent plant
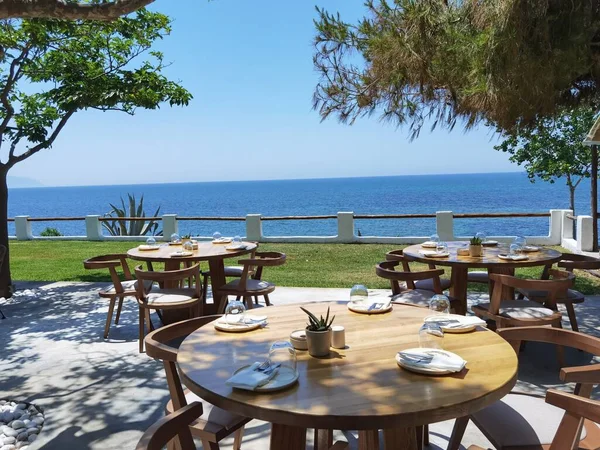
[118, 226]
[314, 324]
[475, 240]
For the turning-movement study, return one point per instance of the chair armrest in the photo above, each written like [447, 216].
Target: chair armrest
[574, 404]
[581, 374]
[557, 336]
[157, 436]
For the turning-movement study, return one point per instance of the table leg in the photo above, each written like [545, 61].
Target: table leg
[323, 439]
[458, 289]
[508, 293]
[285, 437]
[368, 440]
[217, 279]
[400, 438]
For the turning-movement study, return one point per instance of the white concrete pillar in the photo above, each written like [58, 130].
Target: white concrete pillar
[23, 228]
[345, 227]
[567, 224]
[170, 226]
[254, 231]
[444, 224]
[93, 228]
[555, 226]
[585, 239]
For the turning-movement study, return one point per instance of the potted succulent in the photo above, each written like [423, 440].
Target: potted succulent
[475, 247]
[318, 333]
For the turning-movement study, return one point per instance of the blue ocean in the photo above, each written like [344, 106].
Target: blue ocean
[500, 192]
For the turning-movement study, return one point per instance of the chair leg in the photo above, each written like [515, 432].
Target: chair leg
[572, 318]
[237, 439]
[111, 307]
[119, 310]
[205, 289]
[458, 432]
[256, 299]
[560, 350]
[420, 433]
[248, 302]
[149, 324]
[207, 445]
[142, 328]
[267, 301]
[425, 434]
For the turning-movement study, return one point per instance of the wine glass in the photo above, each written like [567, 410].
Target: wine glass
[283, 353]
[216, 236]
[359, 293]
[235, 312]
[440, 303]
[151, 241]
[441, 247]
[175, 239]
[481, 235]
[434, 238]
[188, 246]
[520, 241]
[237, 240]
[431, 336]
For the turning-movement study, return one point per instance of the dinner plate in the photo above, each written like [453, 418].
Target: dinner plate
[221, 241]
[361, 308]
[429, 244]
[530, 248]
[235, 247]
[489, 243]
[147, 248]
[432, 254]
[237, 327]
[284, 378]
[176, 243]
[513, 258]
[455, 323]
[421, 368]
[181, 254]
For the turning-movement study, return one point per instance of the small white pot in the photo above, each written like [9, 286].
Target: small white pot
[318, 342]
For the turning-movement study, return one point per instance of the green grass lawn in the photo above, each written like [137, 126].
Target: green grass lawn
[308, 265]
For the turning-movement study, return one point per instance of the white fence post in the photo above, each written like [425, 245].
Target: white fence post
[345, 227]
[170, 226]
[93, 228]
[567, 224]
[444, 222]
[23, 228]
[585, 239]
[555, 235]
[254, 230]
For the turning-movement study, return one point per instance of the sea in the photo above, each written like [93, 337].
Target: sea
[460, 193]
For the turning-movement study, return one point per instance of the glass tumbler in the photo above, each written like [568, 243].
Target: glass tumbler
[359, 293]
[283, 353]
[440, 303]
[431, 336]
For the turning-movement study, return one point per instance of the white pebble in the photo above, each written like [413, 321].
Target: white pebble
[17, 424]
[8, 440]
[8, 447]
[9, 431]
[38, 420]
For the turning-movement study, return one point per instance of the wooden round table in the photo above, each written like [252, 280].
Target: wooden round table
[358, 388]
[215, 254]
[461, 264]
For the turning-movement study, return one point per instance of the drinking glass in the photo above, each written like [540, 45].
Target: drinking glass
[515, 249]
[359, 293]
[188, 246]
[282, 352]
[520, 241]
[150, 241]
[481, 235]
[237, 240]
[441, 247]
[431, 336]
[175, 239]
[434, 238]
[440, 303]
[235, 312]
[216, 236]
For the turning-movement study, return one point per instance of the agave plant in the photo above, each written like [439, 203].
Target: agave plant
[475, 240]
[321, 324]
[119, 226]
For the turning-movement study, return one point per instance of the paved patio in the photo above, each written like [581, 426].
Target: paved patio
[101, 394]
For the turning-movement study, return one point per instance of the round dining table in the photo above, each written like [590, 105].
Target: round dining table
[215, 254]
[359, 387]
[489, 260]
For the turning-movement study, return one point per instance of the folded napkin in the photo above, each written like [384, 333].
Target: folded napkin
[250, 378]
[429, 244]
[433, 360]
[370, 305]
[513, 257]
[430, 253]
[456, 322]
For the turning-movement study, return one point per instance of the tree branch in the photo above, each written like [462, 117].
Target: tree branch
[12, 160]
[65, 9]
[14, 73]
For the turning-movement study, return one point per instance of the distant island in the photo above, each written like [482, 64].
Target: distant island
[23, 182]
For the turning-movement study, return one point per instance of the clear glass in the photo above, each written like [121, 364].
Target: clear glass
[235, 312]
[481, 235]
[282, 352]
[440, 303]
[359, 293]
[175, 238]
[188, 246]
[520, 241]
[515, 249]
[431, 336]
[150, 241]
[216, 235]
[441, 247]
[434, 238]
[237, 240]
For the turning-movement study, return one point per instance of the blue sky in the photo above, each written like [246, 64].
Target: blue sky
[249, 66]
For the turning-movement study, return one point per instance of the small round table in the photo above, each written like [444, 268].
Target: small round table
[461, 264]
[360, 387]
[215, 254]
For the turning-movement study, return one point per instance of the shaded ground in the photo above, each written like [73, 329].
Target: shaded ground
[101, 394]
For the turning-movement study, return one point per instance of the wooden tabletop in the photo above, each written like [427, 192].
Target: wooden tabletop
[206, 251]
[489, 259]
[358, 388]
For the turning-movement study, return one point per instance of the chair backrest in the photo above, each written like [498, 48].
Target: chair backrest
[571, 261]
[576, 409]
[387, 270]
[112, 263]
[159, 346]
[169, 276]
[256, 262]
[176, 424]
[556, 287]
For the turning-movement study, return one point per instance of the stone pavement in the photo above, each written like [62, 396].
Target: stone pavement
[102, 394]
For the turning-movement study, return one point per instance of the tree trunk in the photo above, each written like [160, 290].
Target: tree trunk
[6, 287]
[594, 197]
[572, 198]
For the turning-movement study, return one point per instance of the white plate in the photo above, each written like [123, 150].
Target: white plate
[459, 324]
[429, 244]
[250, 323]
[489, 243]
[285, 377]
[235, 247]
[181, 254]
[361, 308]
[433, 254]
[221, 241]
[530, 249]
[147, 248]
[422, 369]
[513, 258]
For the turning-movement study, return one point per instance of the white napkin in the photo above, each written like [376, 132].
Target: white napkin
[513, 257]
[250, 378]
[385, 302]
[429, 244]
[430, 253]
[439, 361]
[453, 321]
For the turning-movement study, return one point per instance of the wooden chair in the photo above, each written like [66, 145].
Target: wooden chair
[119, 289]
[508, 312]
[177, 424]
[412, 296]
[524, 421]
[168, 298]
[212, 424]
[569, 262]
[247, 287]
[398, 255]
